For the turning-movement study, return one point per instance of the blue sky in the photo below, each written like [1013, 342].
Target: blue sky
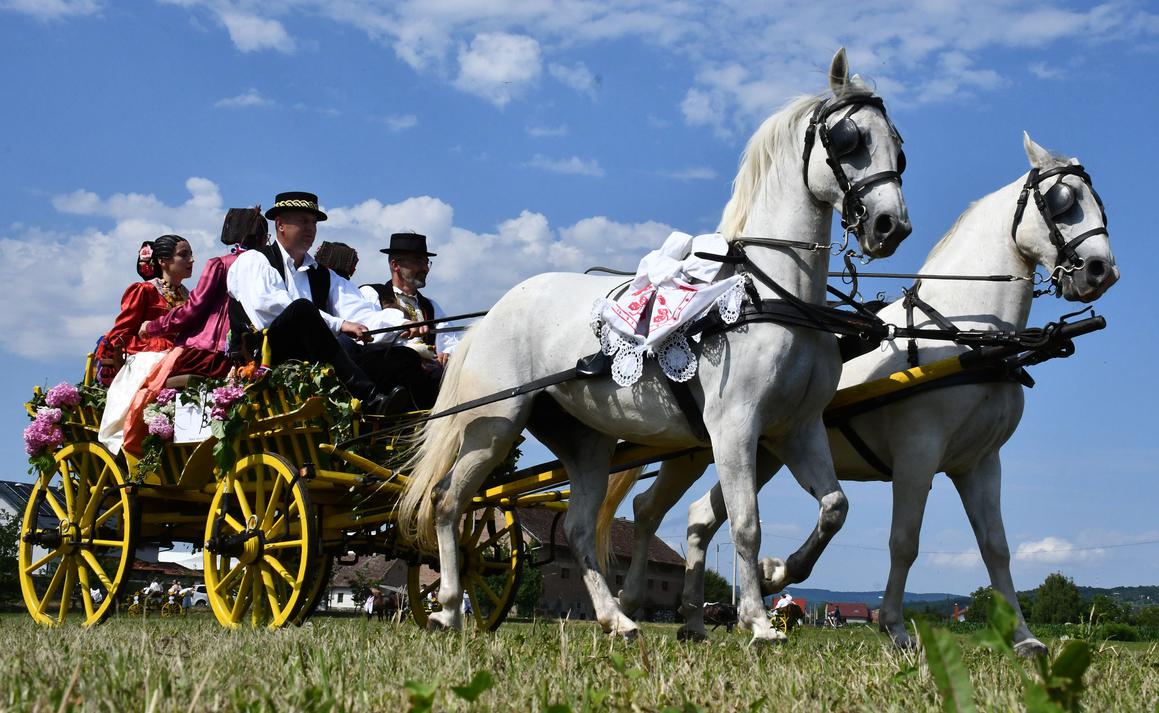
[525, 136]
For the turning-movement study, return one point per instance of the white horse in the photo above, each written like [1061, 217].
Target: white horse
[958, 429]
[770, 382]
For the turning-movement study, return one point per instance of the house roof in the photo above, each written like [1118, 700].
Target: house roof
[17, 494]
[374, 569]
[848, 609]
[537, 522]
[166, 569]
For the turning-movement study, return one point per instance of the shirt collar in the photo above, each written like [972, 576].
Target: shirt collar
[307, 262]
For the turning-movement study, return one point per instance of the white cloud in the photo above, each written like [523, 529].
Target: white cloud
[578, 77]
[956, 560]
[574, 165]
[96, 263]
[247, 99]
[401, 122]
[936, 52]
[51, 9]
[1044, 71]
[545, 132]
[691, 173]
[1054, 550]
[251, 33]
[499, 66]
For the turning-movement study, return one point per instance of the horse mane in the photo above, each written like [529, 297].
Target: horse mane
[772, 151]
[949, 235]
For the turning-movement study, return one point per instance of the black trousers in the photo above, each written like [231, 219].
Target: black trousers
[400, 366]
[300, 333]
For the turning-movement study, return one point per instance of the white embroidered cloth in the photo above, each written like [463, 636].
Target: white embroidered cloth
[684, 287]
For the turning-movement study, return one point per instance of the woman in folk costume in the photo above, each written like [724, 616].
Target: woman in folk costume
[199, 328]
[163, 264]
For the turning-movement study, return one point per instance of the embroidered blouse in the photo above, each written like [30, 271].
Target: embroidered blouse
[141, 301]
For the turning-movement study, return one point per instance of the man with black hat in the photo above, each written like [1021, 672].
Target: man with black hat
[303, 306]
[426, 352]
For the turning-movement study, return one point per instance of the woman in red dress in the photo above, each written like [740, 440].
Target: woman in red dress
[202, 323]
[164, 264]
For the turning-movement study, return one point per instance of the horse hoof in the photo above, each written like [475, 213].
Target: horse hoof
[1030, 648]
[774, 575]
[683, 634]
[904, 642]
[630, 634]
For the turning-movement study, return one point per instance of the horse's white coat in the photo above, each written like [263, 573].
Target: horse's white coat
[763, 381]
[958, 430]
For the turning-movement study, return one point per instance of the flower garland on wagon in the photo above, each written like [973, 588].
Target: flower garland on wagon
[51, 412]
[222, 401]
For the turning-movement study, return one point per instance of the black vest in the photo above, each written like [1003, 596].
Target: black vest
[239, 322]
[386, 298]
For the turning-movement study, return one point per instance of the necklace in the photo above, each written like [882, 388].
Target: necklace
[174, 296]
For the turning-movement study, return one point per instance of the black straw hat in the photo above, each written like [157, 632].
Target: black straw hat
[407, 243]
[295, 200]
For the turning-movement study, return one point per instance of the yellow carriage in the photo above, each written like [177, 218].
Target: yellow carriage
[309, 478]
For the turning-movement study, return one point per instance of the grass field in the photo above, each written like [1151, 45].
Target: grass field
[349, 664]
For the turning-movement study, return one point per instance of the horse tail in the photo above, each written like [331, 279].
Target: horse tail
[437, 446]
[619, 484]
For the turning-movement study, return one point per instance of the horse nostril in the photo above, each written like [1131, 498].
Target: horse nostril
[883, 226]
[1096, 268]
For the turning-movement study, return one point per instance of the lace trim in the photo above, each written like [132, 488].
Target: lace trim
[627, 356]
[730, 303]
[675, 355]
[676, 358]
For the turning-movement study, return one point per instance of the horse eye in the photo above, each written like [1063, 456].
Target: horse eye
[901, 161]
[1059, 200]
[844, 137]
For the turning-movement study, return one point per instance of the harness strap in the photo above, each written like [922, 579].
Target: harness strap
[687, 402]
[863, 449]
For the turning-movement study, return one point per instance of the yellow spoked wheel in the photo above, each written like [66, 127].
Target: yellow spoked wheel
[171, 609]
[260, 543]
[491, 552]
[77, 538]
[319, 579]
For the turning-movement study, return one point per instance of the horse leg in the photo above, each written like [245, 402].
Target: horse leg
[913, 475]
[586, 455]
[705, 516]
[806, 453]
[981, 491]
[486, 442]
[737, 465]
[649, 508]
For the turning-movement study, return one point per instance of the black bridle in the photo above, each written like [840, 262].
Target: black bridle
[1058, 200]
[841, 139]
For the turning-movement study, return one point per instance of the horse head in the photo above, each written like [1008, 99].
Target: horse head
[853, 161]
[1060, 224]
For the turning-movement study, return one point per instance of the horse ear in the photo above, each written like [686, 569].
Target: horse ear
[1039, 157]
[839, 72]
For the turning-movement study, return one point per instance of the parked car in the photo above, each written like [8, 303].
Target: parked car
[200, 598]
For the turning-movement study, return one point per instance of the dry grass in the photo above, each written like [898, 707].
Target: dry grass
[349, 664]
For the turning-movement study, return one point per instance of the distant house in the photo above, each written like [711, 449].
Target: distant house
[851, 612]
[375, 571]
[564, 593]
[14, 497]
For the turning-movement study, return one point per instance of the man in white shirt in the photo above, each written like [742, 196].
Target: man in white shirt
[420, 365]
[303, 306]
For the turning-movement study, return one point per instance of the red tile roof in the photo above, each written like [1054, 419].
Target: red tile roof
[537, 521]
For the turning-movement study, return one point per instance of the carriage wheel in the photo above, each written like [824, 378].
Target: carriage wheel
[260, 540]
[78, 537]
[171, 609]
[491, 552]
[315, 588]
